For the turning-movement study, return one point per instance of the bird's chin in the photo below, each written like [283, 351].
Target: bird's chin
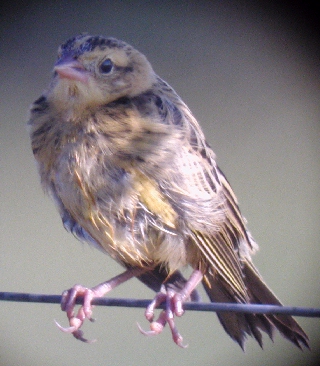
[76, 96]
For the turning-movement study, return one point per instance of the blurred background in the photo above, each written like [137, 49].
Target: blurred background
[250, 74]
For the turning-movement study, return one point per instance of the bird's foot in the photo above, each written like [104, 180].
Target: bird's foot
[174, 307]
[69, 297]
[173, 302]
[76, 320]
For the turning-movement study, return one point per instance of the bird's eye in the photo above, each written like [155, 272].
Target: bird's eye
[106, 66]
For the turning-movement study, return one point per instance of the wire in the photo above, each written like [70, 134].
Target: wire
[196, 306]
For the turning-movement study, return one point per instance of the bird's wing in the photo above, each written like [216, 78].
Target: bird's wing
[215, 222]
[222, 247]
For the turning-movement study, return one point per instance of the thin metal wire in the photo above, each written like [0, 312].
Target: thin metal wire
[196, 306]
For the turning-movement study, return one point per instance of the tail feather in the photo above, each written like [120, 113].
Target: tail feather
[239, 325]
[261, 294]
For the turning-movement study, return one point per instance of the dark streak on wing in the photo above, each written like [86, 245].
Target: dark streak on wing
[220, 250]
[237, 221]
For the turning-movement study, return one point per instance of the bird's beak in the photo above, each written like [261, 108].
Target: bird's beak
[71, 69]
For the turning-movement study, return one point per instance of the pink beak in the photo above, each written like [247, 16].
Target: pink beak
[71, 69]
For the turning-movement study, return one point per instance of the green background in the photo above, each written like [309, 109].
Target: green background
[250, 75]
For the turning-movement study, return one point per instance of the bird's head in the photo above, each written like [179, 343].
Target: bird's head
[93, 71]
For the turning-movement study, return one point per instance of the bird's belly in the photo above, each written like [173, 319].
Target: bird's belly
[136, 239]
[123, 211]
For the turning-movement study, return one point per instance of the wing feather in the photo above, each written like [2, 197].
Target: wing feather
[222, 237]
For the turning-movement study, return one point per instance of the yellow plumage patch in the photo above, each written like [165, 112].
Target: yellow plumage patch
[151, 196]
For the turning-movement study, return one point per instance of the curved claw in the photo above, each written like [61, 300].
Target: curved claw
[157, 328]
[179, 343]
[71, 329]
[174, 307]
[176, 336]
[69, 297]
[147, 332]
[76, 332]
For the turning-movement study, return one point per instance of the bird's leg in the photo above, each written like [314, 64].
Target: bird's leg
[69, 297]
[174, 307]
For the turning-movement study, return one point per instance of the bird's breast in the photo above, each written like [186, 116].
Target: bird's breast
[122, 209]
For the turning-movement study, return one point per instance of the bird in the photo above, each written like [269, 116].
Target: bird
[132, 174]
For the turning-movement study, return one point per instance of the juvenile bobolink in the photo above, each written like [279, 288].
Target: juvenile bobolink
[130, 171]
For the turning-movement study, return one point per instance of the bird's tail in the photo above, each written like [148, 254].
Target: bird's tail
[238, 325]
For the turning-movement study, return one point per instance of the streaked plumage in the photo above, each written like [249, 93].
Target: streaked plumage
[131, 172]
